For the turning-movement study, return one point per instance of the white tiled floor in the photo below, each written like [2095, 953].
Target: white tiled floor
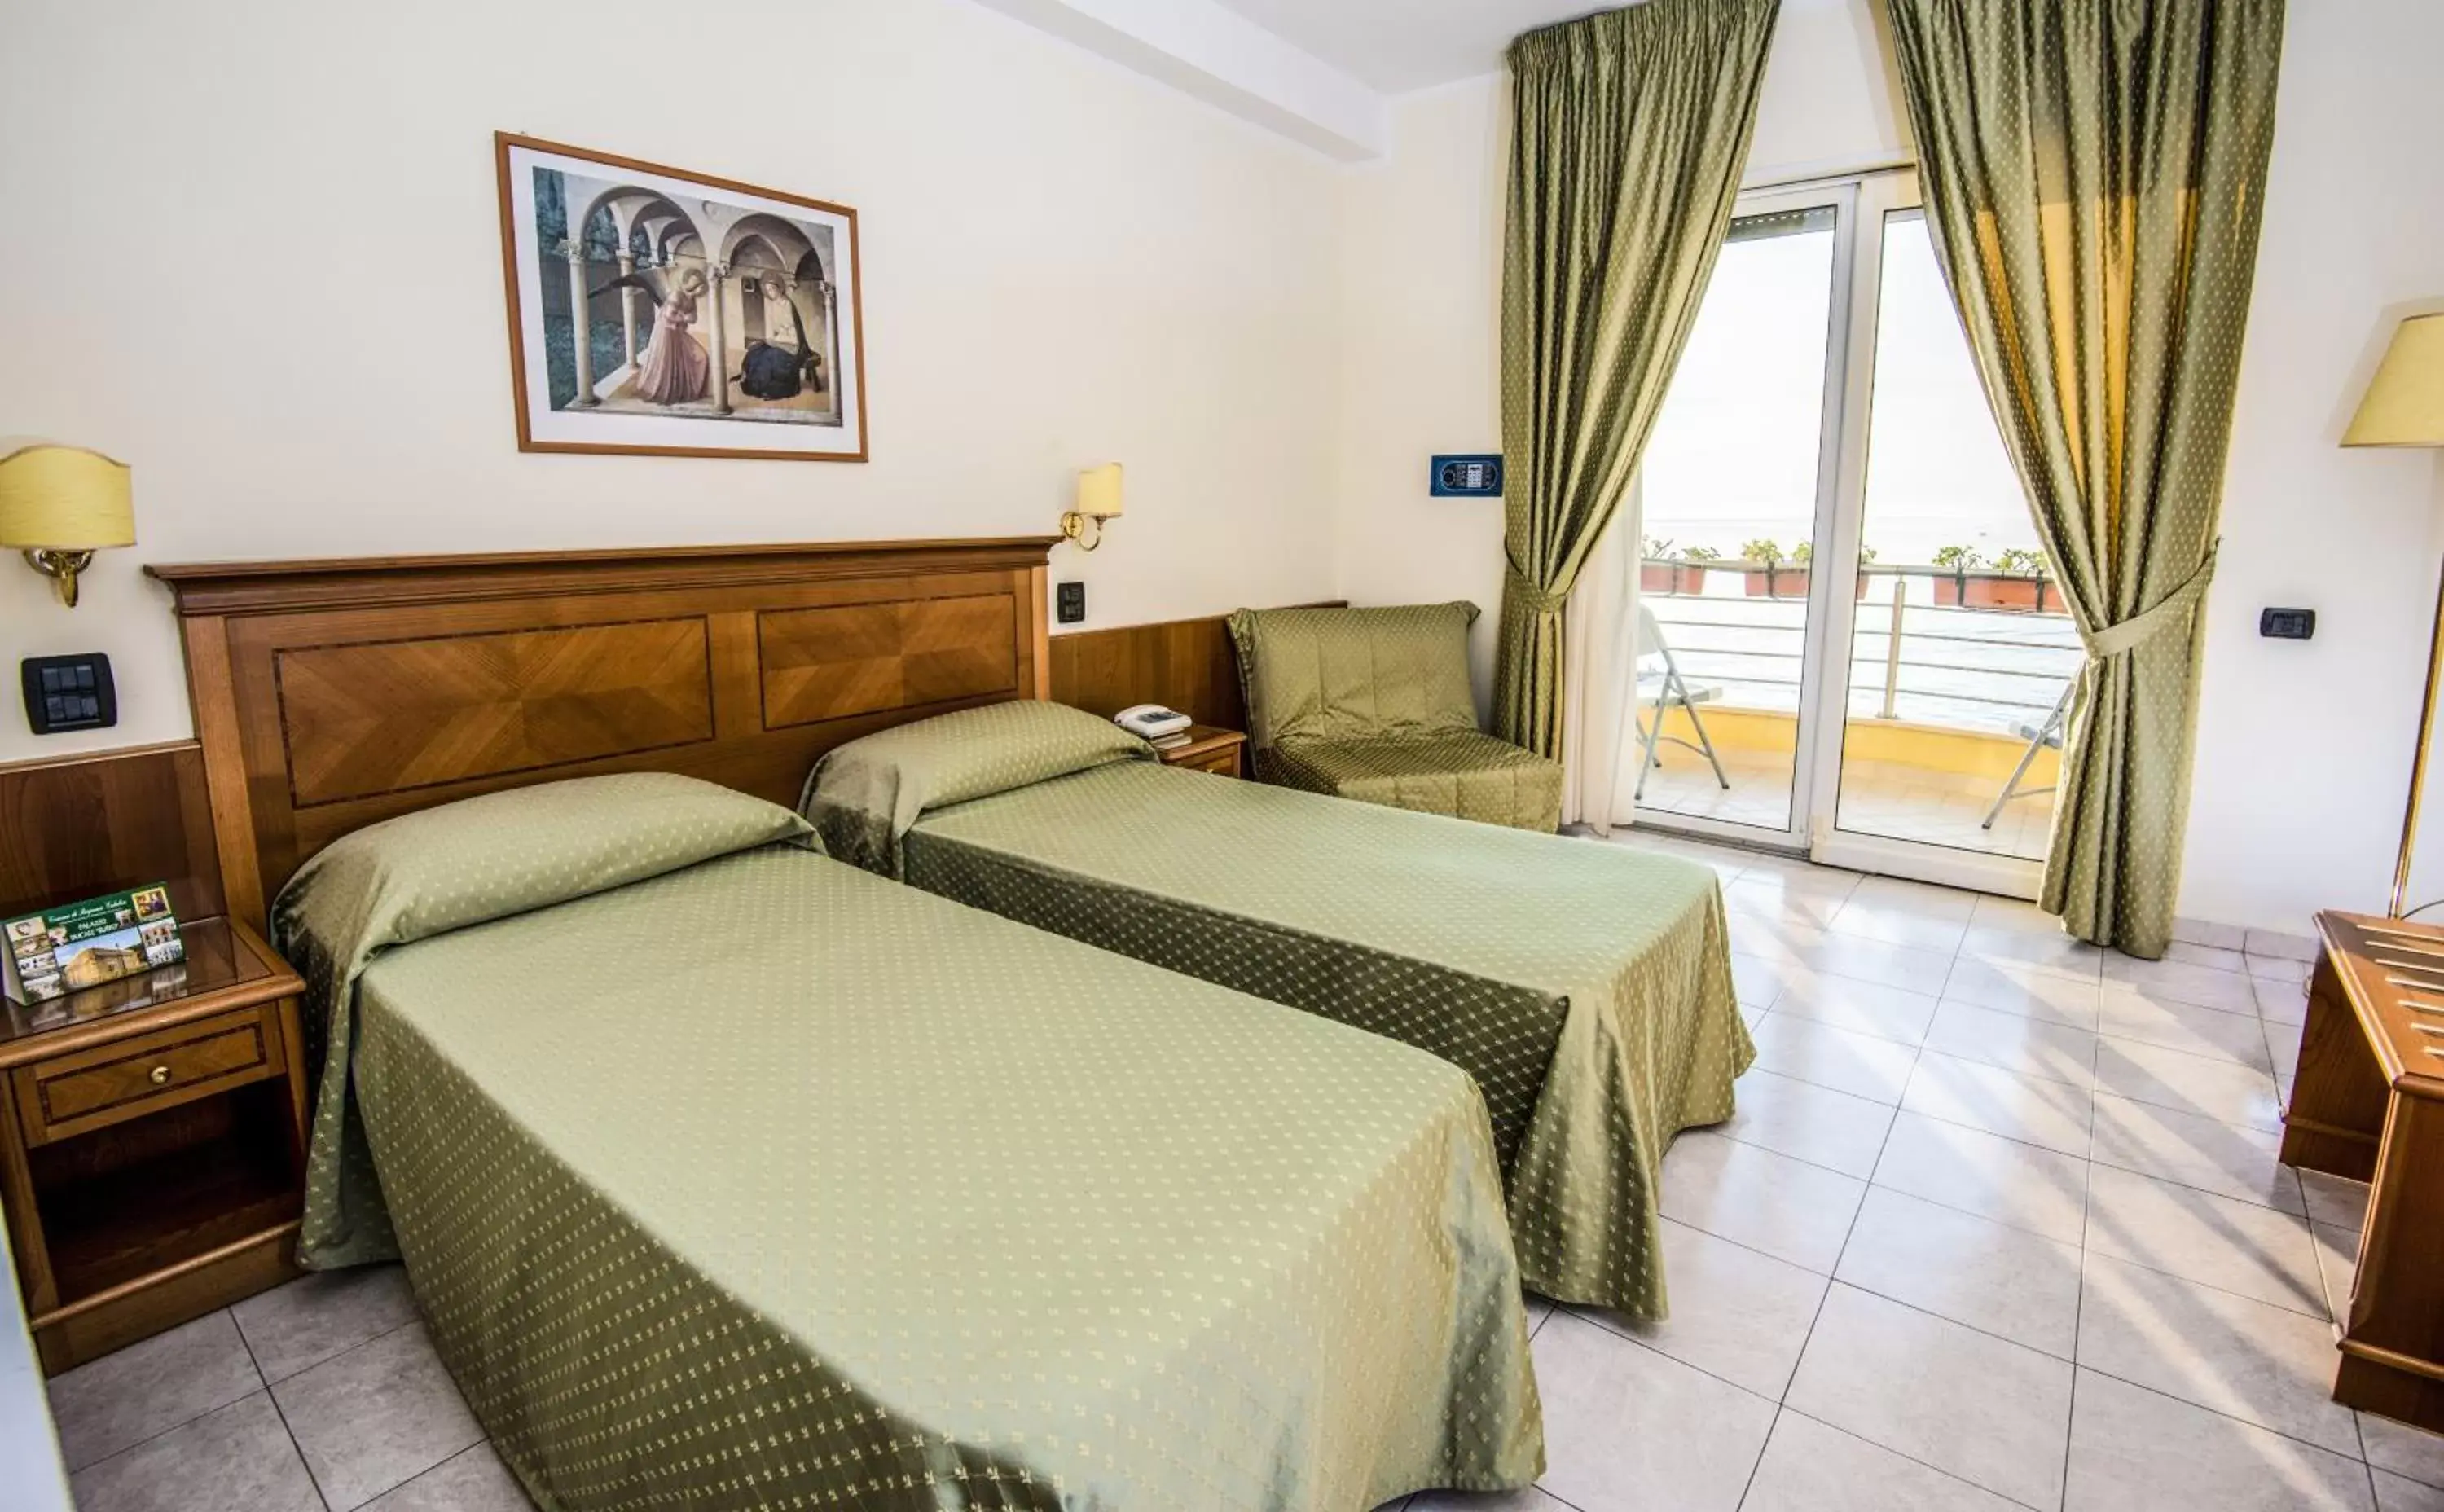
[1999, 1224]
[2022, 1239]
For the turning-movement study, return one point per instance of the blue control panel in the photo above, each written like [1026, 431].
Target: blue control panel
[1468, 475]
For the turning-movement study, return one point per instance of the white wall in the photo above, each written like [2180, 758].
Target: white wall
[254, 250]
[2304, 748]
[1422, 281]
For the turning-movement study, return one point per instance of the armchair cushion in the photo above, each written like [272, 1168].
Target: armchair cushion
[1345, 674]
[1460, 773]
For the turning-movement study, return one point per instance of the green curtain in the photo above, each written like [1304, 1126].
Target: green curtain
[2094, 171]
[1629, 130]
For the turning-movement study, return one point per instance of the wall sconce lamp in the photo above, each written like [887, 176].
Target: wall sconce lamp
[61, 504]
[1099, 499]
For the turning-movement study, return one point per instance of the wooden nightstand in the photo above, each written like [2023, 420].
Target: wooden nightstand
[1209, 748]
[152, 1143]
[2368, 1105]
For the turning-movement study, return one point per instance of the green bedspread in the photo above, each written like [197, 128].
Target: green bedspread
[768, 1183]
[1587, 989]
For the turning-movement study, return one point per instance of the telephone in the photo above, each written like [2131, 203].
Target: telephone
[1152, 721]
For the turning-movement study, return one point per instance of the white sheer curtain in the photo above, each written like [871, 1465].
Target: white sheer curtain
[1600, 674]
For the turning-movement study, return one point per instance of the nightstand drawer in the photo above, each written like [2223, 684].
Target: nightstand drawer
[127, 1079]
[1223, 763]
[1208, 748]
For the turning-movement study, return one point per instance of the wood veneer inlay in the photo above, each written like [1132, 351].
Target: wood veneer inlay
[842, 659]
[382, 717]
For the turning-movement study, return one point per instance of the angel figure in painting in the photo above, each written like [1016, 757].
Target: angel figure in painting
[675, 369]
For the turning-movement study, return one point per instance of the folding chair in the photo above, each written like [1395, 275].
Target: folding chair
[2039, 738]
[1667, 689]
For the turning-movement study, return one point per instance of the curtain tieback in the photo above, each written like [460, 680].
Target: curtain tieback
[2147, 624]
[1536, 599]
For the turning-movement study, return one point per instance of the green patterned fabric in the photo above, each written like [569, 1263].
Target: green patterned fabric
[860, 1199]
[863, 795]
[446, 868]
[1355, 673]
[1586, 988]
[1465, 775]
[1629, 131]
[2095, 174]
[1374, 705]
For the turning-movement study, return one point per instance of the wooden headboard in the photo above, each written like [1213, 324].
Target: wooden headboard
[331, 695]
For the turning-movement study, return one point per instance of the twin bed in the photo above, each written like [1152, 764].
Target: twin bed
[1586, 988]
[731, 1175]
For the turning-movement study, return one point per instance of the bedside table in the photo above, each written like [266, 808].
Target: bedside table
[152, 1143]
[1209, 748]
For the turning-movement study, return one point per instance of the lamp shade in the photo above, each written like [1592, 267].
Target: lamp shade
[1098, 492]
[65, 498]
[2404, 404]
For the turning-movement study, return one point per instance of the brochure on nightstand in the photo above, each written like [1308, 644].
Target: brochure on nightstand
[82, 945]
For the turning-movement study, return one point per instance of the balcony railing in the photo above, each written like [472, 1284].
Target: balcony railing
[1964, 650]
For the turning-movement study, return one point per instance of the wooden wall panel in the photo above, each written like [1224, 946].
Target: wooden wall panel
[1183, 664]
[846, 659]
[388, 715]
[85, 825]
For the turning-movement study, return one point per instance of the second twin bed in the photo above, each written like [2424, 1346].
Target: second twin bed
[1586, 988]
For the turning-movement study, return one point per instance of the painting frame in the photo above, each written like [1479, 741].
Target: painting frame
[547, 431]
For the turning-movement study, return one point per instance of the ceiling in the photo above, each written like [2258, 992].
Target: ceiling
[1403, 44]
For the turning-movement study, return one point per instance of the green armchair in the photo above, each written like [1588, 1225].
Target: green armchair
[1374, 705]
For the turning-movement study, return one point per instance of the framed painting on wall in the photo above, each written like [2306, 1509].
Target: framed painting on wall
[659, 312]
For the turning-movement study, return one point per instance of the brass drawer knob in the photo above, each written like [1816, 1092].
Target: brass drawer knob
[161, 1076]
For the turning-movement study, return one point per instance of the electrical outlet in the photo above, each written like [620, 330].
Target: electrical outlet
[1069, 603]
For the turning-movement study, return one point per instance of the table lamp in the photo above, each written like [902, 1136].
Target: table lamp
[61, 504]
[2404, 406]
[1099, 499]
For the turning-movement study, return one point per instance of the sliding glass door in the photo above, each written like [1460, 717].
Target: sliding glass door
[1736, 487]
[1851, 646]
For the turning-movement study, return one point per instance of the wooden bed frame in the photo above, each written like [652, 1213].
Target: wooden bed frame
[330, 695]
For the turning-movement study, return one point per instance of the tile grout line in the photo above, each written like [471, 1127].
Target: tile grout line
[487, 1439]
[294, 1448]
[2079, 1303]
[362, 1343]
[1899, 1454]
[260, 1385]
[1782, 1405]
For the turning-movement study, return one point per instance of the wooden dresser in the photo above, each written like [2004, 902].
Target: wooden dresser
[2368, 1104]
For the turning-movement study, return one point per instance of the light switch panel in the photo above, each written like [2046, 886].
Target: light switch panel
[64, 693]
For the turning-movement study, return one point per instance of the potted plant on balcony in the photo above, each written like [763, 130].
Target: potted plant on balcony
[2021, 580]
[1694, 563]
[1765, 576]
[1959, 562]
[1657, 570]
[2016, 582]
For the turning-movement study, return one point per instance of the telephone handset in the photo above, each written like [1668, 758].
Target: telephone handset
[1150, 721]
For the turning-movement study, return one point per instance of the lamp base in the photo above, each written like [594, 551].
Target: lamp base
[1085, 529]
[62, 567]
[2400, 899]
